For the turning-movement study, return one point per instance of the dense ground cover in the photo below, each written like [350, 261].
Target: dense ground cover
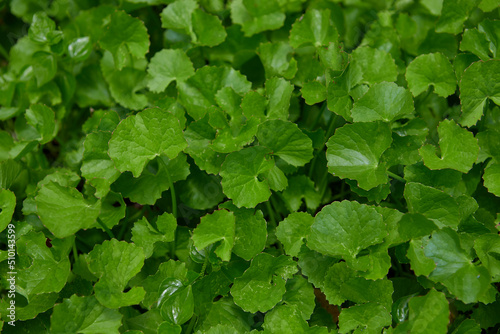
[284, 166]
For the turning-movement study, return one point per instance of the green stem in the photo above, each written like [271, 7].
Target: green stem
[331, 127]
[4, 52]
[136, 215]
[75, 251]
[191, 324]
[270, 212]
[108, 231]
[395, 176]
[172, 189]
[274, 224]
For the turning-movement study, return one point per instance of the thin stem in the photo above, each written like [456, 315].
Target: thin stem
[136, 215]
[172, 189]
[4, 52]
[271, 214]
[191, 324]
[75, 251]
[274, 224]
[395, 176]
[331, 127]
[108, 231]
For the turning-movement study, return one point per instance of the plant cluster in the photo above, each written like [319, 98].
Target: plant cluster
[275, 166]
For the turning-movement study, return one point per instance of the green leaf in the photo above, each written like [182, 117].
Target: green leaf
[314, 27]
[42, 118]
[487, 247]
[454, 14]
[64, 210]
[7, 206]
[427, 314]
[293, 231]
[432, 69]
[167, 66]
[480, 82]
[43, 30]
[97, 167]
[250, 234]
[145, 235]
[170, 268]
[144, 136]
[434, 204]
[240, 176]
[278, 91]
[370, 66]
[286, 141]
[345, 228]
[301, 188]
[285, 319]
[313, 92]
[125, 36]
[458, 147]
[208, 28]
[198, 92]
[46, 271]
[45, 67]
[455, 270]
[369, 318]
[491, 178]
[476, 42]
[385, 101]
[215, 227]
[124, 85]
[84, 315]
[115, 263]
[257, 16]
[199, 136]
[352, 153]
[148, 188]
[300, 293]
[414, 226]
[176, 303]
[226, 317]
[262, 285]
[277, 59]
[468, 326]
[204, 28]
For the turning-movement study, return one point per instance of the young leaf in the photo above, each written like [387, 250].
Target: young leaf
[263, 284]
[64, 210]
[353, 153]
[369, 318]
[455, 270]
[144, 136]
[345, 228]
[480, 82]
[240, 176]
[115, 263]
[84, 315]
[257, 16]
[145, 235]
[431, 69]
[385, 101]
[370, 66]
[167, 66]
[8, 200]
[459, 148]
[293, 231]
[125, 36]
[218, 226]
[314, 27]
[286, 141]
